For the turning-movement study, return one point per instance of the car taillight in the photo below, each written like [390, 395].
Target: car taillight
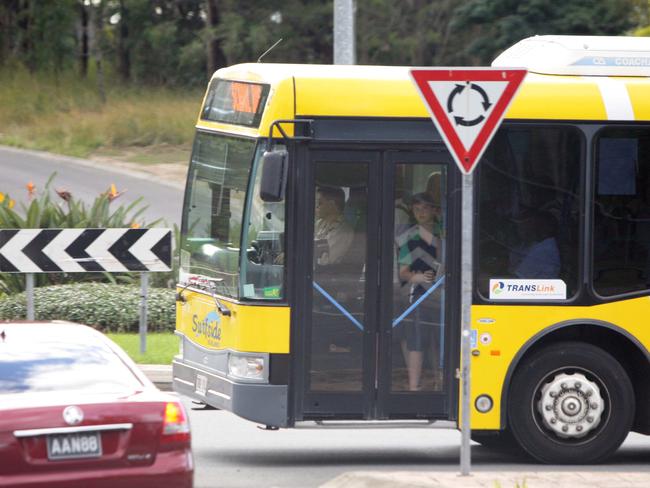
[176, 427]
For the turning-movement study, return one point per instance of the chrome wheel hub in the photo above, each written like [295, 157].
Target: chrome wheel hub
[571, 405]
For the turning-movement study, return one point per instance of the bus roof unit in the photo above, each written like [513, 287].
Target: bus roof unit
[579, 55]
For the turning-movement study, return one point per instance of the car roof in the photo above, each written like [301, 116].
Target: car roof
[48, 330]
[62, 331]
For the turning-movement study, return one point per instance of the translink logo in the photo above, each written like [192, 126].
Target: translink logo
[498, 287]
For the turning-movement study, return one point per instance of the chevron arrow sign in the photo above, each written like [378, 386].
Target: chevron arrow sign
[84, 250]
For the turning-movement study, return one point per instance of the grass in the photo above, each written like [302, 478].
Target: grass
[161, 347]
[64, 114]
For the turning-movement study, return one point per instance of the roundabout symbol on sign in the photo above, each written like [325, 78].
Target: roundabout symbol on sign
[458, 89]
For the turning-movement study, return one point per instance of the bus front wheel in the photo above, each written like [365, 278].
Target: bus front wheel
[570, 403]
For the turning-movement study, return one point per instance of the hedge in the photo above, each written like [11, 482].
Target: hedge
[105, 306]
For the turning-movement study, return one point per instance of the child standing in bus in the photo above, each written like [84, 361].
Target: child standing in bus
[419, 250]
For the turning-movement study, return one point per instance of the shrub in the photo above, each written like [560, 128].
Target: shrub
[105, 306]
[42, 212]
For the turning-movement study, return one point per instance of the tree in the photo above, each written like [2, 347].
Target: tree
[410, 32]
[45, 37]
[97, 15]
[123, 47]
[84, 49]
[642, 18]
[481, 29]
[249, 28]
[215, 56]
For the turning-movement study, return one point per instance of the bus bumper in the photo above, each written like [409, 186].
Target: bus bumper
[258, 402]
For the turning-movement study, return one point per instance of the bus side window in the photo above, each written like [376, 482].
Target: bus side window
[529, 206]
[621, 239]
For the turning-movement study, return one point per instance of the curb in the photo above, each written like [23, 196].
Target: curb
[490, 479]
[159, 374]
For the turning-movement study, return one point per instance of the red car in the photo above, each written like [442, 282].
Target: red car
[75, 411]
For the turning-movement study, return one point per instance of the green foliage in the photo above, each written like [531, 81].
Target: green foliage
[41, 212]
[106, 306]
[66, 115]
[248, 28]
[165, 42]
[160, 34]
[481, 29]
[44, 33]
[411, 32]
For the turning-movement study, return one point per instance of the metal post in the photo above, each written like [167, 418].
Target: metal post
[144, 285]
[466, 303]
[29, 292]
[344, 33]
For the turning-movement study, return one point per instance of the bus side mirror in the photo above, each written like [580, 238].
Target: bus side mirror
[274, 176]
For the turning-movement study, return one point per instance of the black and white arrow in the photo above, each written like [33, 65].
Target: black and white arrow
[84, 250]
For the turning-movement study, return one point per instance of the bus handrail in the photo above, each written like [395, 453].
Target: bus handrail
[276, 124]
[414, 305]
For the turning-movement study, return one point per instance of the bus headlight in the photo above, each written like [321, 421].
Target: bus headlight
[245, 367]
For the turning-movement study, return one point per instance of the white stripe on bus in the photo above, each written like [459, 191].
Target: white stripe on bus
[615, 97]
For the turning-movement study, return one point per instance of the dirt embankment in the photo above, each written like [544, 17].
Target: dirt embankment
[166, 163]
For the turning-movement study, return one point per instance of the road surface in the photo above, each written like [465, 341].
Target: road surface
[85, 180]
[233, 453]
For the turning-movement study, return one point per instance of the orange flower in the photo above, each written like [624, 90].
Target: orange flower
[113, 193]
[31, 188]
[2, 197]
[135, 225]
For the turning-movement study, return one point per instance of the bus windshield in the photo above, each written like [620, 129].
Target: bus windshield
[217, 202]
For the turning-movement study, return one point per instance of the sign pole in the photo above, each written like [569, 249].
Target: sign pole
[29, 292]
[467, 106]
[344, 32]
[467, 219]
[144, 285]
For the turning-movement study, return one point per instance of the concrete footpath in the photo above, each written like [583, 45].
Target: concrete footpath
[489, 479]
[161, 376]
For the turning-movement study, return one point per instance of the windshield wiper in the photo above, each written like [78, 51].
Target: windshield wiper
[213, 291]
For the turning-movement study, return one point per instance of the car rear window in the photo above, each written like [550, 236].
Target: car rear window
[30, 366]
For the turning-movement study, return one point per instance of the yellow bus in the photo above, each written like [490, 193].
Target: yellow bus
[319, 264]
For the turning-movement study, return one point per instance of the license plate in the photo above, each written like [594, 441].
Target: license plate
[201, 384]
[74, 446]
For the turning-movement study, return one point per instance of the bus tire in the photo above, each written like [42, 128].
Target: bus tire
[570, 403]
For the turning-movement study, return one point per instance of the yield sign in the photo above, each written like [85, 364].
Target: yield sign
[467, 106]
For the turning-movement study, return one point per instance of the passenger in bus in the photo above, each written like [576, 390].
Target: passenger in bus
[331, 229]
[402, 208]
[435, 191]
[419, 249]
[538, 254]
[403, 220]
[333, 239]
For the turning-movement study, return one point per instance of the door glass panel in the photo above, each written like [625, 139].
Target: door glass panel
[339, 267]
[418, 277]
